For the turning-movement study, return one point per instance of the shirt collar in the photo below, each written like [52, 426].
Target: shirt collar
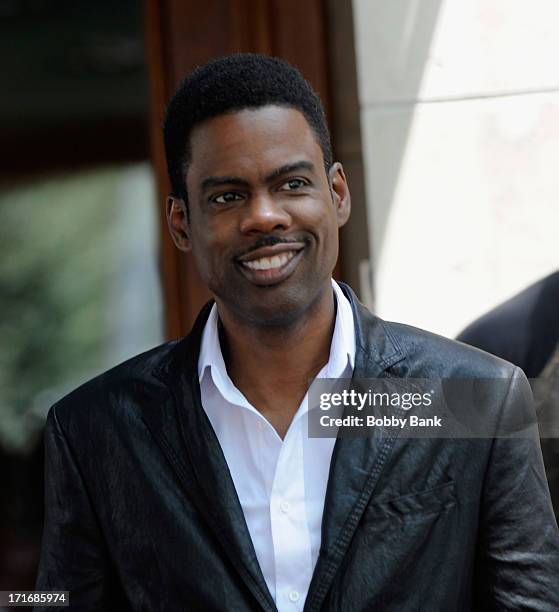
[342, 347]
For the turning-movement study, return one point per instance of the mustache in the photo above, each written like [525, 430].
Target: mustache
[268, 241]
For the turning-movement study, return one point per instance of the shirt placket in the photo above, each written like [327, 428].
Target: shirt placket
[290, 534]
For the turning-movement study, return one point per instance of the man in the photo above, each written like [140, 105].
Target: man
[525, 331]
[184, 479]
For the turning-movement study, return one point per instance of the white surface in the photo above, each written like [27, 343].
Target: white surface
[455, 48]
[473, 216]
[462, 193]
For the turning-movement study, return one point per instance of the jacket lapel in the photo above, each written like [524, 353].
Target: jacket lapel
[186, 437]
[356, 462]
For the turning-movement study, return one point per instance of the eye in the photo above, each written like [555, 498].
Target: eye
[293, 184]
[227, 197]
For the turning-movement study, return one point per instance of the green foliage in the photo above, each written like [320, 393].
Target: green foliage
[56, 252]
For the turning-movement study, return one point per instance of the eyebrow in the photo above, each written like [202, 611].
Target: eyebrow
[288, 168]
[220, 181]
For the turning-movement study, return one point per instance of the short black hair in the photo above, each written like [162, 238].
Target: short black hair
[231, 83]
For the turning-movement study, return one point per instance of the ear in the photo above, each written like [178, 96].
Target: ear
[340, 192]
[177, 220]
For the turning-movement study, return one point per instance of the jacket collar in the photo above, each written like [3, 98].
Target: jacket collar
[376, 347]
[186, 437]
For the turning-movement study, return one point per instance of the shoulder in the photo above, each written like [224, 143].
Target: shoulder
[410, 352]
[124, 389]
[524, 329]
[474, 383]
[521, 305]
[429, 355]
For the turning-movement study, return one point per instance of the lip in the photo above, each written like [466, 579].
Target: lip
[270, 251]
[264, 278]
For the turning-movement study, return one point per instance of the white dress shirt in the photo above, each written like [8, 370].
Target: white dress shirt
[281, 484]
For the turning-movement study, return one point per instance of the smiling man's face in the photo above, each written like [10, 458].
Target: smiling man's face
[264, 215]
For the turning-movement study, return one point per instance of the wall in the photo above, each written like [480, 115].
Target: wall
[459, 106]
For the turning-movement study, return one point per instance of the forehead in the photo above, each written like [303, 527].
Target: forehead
[252, 141]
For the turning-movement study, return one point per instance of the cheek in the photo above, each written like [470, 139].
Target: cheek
[211, 256]
[202, 253]
[332, 250]
[329, 234]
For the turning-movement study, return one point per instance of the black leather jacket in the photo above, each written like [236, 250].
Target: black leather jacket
[142, 514]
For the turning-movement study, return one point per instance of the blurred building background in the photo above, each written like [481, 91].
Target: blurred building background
[79, 281]
[444, 113]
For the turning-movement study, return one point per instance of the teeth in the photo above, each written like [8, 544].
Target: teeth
[269, 263]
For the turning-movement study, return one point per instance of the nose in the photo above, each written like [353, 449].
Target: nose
[263, 215]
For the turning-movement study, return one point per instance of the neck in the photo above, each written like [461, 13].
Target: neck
[273, 367]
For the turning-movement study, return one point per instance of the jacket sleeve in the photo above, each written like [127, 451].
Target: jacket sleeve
[73, 553]
[519, 536]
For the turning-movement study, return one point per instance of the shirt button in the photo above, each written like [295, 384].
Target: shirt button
[294, 596]
[261, 425]
[284, 507]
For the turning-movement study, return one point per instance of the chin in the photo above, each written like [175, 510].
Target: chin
[277, 310]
